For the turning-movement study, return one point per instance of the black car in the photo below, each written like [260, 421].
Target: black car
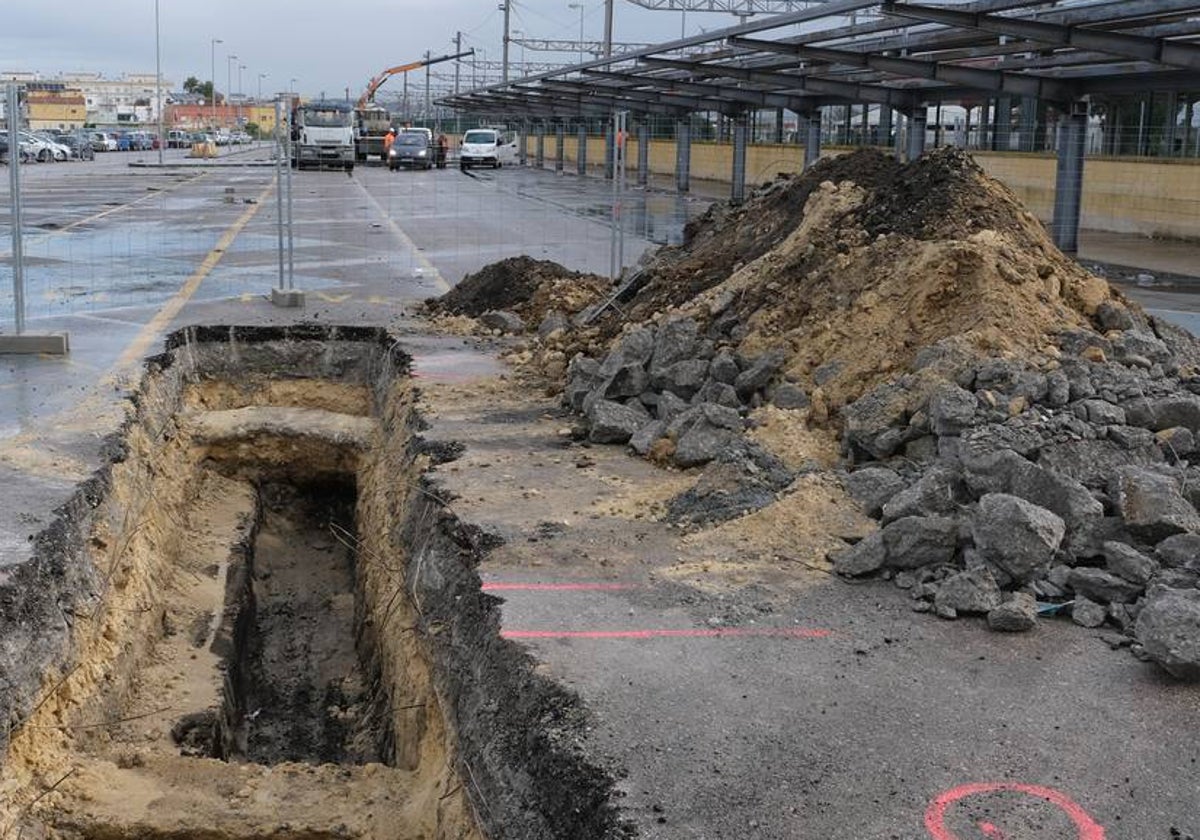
[410, 149]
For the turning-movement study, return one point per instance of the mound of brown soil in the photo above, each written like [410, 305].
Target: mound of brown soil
[859, 263]
[523, 285]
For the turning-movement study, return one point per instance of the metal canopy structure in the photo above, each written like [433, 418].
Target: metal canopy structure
[898, 55]
[903, 55]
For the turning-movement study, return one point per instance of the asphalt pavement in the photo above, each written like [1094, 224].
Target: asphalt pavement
[852, 718]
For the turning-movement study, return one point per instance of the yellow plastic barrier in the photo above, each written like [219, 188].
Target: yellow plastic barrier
[203, 150]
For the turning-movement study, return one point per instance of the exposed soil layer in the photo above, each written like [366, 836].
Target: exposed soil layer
[282, 634]
[298, 685]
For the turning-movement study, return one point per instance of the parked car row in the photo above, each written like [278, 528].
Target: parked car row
[185, 139]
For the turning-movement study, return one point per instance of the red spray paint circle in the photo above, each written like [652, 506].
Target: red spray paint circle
[935, 815]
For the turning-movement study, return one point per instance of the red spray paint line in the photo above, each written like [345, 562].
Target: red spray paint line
[935, 815]
[555, 587]
[694, 633]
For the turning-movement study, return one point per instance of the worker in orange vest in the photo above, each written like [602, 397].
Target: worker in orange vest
[388, 139]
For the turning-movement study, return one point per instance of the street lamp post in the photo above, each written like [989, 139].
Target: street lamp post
[212, 82]
[241, 92]
[162, 138]
[579, 6]
[229, 60]
[261, 76]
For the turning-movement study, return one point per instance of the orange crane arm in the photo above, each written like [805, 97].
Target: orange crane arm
[368, 95]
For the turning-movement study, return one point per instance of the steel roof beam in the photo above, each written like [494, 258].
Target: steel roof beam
[990, 81]
[616, 96]
[720, 93]
[877, 94]
[1158, 50]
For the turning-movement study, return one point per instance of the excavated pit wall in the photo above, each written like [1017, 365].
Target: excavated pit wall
[293, 451]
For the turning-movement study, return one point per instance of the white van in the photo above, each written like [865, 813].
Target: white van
[486, 147]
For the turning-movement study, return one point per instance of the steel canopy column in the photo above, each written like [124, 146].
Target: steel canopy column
[539, 158]
[1068, 187]
[810, 127]
[560, 149]
[741, 138]
[1029, 115]
[779, 126]
[1002, 139]
[917, 120]
[884, 137]
[581, 149]
[683, 154]
[643, 160]
[522, 148]
[609, 140]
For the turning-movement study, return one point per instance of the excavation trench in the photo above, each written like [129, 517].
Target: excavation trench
[260, 620]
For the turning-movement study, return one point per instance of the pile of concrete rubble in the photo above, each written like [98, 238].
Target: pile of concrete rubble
[1023, 434]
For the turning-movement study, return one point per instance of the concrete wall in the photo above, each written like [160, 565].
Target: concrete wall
[1152, 197]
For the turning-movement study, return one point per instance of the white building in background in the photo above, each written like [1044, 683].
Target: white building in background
[128, 100]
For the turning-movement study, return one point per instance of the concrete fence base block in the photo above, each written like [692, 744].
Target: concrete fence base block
[54, 345]
[287, 298]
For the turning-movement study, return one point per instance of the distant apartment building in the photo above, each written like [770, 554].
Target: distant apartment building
[127, 101]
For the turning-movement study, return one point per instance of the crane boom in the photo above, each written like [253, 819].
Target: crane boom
[377, 82]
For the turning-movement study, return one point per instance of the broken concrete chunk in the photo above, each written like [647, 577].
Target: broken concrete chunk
[700, 443]
[1168, 628]
[724, 368]
[612, 422]
[759, 374]
[1111, 316]
[1151, 504]
[951, 410]
[1181, 551]
[1018, 537]
[1103, 413]
[972, 591]
[674, 342]
[1087, 613]
[503, 320]
[669, 406]
[788, 395]
[629, 380]
[1128, 563]
[1102, 587]
[635, 347]
[916, 541]
[862, 558]
[718, 393]
[1018, 614]
[1060, 494]
[1177, 442]
[872, 487]
[938, 491]
[644, 438]
[1159, 413]
[873, 421]
[683, 378]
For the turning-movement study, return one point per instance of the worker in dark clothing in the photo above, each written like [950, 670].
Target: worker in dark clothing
[443, 149]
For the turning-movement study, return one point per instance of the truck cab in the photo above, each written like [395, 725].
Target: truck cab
[323, 135]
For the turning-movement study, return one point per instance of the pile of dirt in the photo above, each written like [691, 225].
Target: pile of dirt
[1022, 433]
[854, 266]
[530, 288]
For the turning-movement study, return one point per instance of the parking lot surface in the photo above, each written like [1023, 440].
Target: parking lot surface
[835, 713]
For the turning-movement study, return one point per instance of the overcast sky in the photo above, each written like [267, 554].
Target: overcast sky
[327, 46]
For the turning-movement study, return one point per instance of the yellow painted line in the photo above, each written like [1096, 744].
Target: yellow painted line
[377, 300]
[398, 232]
[332, 298]
[247, 297]
[67, 228]
[151, 331]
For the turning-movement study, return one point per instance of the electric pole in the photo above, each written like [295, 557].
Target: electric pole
[506, 6]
